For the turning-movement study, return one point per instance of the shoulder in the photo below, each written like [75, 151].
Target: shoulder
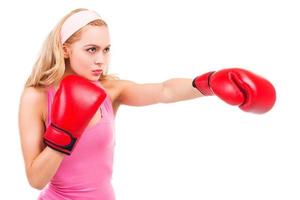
[117, 83]
[34, 99]
[114, 89]
[32, 95]
[116, 86]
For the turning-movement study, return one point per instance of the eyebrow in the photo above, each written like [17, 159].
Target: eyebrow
[96, 45]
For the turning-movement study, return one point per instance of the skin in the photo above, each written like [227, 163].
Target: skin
[89, 53]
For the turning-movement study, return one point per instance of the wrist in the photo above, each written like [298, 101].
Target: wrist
[202, 84]
[59, 139]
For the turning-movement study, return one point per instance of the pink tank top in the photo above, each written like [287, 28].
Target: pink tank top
[86, 173]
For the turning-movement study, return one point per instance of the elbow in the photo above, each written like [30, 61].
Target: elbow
[36, 184]
[165, 95]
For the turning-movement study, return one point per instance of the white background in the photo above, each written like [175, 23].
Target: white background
[198, 149]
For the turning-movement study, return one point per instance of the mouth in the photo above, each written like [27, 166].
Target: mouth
[97, 72]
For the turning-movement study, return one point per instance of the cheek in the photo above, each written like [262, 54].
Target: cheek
[81, 60]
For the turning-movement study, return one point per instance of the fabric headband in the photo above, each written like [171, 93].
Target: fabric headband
[75, 22]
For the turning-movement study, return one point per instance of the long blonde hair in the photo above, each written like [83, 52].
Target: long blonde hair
[50, 65]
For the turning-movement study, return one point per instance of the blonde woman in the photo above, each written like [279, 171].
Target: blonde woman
[69, 103]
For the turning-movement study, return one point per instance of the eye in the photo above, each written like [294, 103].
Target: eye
[92, 50]
[107, 49]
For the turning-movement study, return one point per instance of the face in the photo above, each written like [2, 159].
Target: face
[89, 56]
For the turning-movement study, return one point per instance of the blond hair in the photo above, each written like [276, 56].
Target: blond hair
[50, 65]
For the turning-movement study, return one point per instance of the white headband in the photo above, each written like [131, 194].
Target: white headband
[75, 22]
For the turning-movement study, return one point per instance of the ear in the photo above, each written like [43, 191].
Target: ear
[66, 51]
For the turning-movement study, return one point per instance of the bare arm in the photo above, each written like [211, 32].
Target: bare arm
[41, 163]
[179, 89]
[172, 90]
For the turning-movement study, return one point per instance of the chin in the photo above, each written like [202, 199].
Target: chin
[90, 78]
[94, 78]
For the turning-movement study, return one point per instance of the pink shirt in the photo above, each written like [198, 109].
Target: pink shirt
[86, 173]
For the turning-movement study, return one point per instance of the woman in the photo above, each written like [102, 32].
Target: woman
[69, 103]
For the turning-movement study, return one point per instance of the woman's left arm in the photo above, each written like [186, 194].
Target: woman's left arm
[235, 86]
[172, 90]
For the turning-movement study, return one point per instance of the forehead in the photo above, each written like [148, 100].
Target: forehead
[98, 35]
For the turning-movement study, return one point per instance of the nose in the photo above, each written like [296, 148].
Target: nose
[99, 59]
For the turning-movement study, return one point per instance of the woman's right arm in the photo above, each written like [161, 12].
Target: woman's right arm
[41, 162]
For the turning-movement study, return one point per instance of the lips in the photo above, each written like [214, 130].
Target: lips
[97, 72]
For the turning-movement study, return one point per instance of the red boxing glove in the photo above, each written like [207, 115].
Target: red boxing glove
[251, 92]
[75, 103]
